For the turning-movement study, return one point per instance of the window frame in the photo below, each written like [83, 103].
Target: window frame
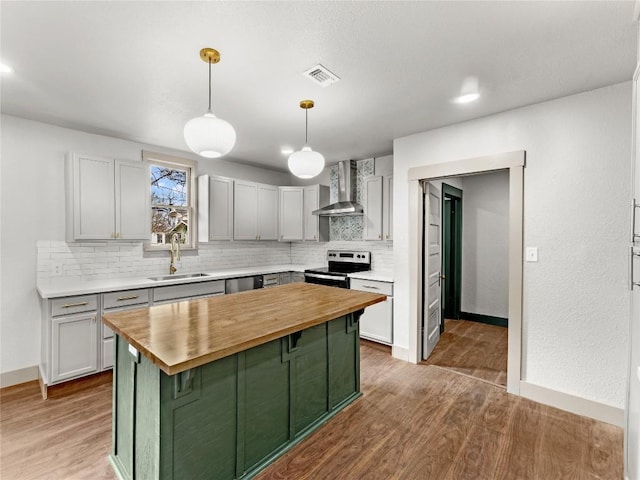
[191, 166]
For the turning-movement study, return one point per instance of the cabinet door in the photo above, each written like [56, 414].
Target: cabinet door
[387, 207]
[92, 206]
[376, 323]
[215, 208]
[220, 208]
[132, 197]
[311, 203]
[74, 342]
[291, 213]
[267, 212]
[373, 208]
[245, 217]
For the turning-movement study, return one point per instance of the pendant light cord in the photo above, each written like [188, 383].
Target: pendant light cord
[306, 126]
[209, 84]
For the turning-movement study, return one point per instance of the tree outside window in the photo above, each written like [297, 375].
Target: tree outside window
[170, 205]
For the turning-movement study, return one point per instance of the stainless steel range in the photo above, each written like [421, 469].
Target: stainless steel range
[341, 263]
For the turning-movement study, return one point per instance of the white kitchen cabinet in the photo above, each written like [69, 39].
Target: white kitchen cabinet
[387, 207]
[69, 338]
[215, 208]
[291, 213]
[372, 208]
[113, 302]
[297, 277]
[376, 323]
[106, 199]
[378, 207]
[255, 211]
[316, 227]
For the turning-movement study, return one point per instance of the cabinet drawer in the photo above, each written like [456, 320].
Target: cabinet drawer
[374, 286]
[70, 305]
[188, 290]
[125, 298]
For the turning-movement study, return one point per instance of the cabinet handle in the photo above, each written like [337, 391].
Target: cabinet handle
[130, 297]
[71, 305]
[634, 236]
[379, 237]
[633, 255]
[370, 286]
[93, 319]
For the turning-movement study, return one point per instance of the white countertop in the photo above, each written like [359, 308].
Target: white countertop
[65, 287]
[373, 275]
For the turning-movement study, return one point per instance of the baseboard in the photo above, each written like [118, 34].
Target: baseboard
[571, 403]
[400, 353]
[15, 377]
[478, 317]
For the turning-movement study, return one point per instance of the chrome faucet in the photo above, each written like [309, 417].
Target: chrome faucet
[175, 237]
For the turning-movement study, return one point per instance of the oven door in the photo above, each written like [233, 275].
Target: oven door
[329, 280]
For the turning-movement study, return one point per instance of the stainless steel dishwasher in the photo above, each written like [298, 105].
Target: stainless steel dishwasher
[235, 285]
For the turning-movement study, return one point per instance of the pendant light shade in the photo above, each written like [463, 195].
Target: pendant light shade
[305, 163]
[209, 136]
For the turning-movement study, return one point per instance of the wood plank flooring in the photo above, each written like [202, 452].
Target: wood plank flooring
[413, 422]
[472, 348]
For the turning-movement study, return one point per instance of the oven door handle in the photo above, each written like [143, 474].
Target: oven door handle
[335, 278]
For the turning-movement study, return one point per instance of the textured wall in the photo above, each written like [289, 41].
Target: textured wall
[576, 211]
[485, 244]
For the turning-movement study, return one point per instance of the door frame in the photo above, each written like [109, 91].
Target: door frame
[515, 163]
[453, 280]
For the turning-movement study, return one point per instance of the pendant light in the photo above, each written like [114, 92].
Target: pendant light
[305, 163]
[209, 136]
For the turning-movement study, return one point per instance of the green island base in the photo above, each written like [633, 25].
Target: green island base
[230, 418]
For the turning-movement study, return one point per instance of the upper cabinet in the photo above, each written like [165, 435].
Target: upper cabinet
[291, 213]
[215, 208]
[297, 221]
[106, 199]
[378, 207]
[255, 211]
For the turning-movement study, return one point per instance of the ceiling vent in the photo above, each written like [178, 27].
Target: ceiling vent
[321, 75]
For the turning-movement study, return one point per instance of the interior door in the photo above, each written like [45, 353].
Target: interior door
[632, 430]
[432, 252]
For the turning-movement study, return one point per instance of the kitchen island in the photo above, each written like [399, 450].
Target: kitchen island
[219, 387]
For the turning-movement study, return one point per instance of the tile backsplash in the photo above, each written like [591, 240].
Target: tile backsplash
[349, 228]
[99, 261]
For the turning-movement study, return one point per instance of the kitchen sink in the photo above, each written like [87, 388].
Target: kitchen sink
[178, 277]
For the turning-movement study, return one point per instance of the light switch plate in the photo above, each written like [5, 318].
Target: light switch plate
[133, 351]
[532, 254]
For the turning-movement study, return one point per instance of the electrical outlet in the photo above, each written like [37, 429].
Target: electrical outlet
[56, 269]
[532, 254]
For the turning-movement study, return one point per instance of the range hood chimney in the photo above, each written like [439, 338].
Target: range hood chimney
[346, 204]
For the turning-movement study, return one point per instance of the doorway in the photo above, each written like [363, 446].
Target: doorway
[451, 253]
[514, 162]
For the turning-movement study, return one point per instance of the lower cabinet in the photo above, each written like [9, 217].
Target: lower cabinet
[117, 302]
[230, 418]
[73, 346]
[376, 323]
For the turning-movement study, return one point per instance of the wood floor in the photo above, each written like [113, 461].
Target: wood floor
[413, 422]
[474, 349]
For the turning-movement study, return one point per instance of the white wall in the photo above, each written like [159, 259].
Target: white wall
[576, 191]
[485, 244]
[33, 209]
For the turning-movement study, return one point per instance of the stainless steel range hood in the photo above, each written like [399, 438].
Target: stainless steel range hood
[346, 204]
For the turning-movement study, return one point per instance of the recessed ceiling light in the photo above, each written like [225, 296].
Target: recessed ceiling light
[469, 91]
[5, 68]
[469, 97]
[287, 150]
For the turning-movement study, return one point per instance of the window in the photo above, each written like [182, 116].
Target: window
[173, 214]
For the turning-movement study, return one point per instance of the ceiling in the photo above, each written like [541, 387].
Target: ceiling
[132, 69]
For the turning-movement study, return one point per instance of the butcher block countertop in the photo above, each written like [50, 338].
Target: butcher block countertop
[183, 335]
